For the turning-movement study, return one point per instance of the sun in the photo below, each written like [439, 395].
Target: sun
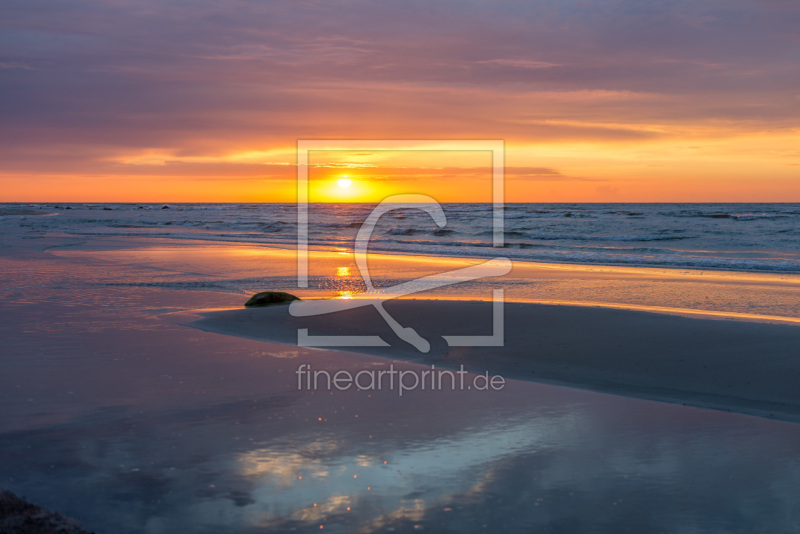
[344, 183]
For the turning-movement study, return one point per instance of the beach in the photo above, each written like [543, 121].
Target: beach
[134, 379]
[389, 267]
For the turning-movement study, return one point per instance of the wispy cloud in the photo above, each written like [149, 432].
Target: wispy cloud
[14, 65]
[88, 82]
[519, 63]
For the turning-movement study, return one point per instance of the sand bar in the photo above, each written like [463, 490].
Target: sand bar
[750, 368]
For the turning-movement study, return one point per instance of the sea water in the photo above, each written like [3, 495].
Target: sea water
[737, 237]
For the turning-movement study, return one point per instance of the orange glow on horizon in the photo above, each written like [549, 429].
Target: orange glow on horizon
[709, 170]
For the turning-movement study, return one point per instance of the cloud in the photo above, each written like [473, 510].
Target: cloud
[86, 80]
[607, 190]
[13, 65]
[519, 63]
[541, 174]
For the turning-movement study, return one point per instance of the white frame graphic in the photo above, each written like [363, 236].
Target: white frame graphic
[494, 267]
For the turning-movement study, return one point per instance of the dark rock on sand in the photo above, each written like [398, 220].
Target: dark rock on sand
[270, 298]
[21, 517]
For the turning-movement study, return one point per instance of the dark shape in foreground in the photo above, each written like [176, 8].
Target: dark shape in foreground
[270, 298]
[21, 517]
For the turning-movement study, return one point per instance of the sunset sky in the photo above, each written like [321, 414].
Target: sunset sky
[597, 101]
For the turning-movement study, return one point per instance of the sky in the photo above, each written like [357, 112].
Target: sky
[205, 101]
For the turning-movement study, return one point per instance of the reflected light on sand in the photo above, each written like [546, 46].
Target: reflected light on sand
[343, 271]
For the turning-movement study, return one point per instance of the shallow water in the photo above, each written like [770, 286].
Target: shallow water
[116, 414]
[246, 269]
[262, 457]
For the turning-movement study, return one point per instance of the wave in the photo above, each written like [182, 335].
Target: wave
[401, 231]
[356, 224]
[610, 238]
[757, 237]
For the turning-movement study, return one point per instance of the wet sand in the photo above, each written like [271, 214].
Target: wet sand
[118, 414]
[748, 368]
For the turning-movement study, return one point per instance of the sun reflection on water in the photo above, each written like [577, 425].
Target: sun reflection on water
[321, 482]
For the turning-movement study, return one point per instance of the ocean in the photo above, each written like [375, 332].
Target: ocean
[736, 237]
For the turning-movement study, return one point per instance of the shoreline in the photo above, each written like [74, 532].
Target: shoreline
[651, 286]
[746, 296]
[313, 247]
[290, 247]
